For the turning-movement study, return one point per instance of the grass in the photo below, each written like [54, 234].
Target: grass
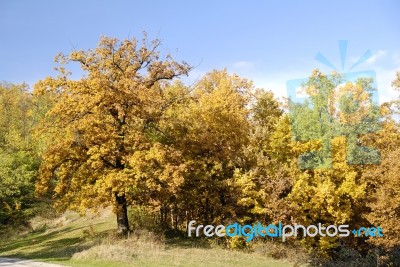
[90, 241]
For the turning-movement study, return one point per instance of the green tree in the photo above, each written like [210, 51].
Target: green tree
[19, 160]
[329, 187]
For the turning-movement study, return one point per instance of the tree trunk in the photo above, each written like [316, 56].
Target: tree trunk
[122, 215]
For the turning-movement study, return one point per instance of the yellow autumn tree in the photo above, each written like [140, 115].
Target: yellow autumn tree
[100, 120]
[209, 128]
[384, 179]
[385, 198]
[264, 180]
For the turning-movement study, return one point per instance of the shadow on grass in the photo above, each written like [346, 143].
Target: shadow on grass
[61, 244]
[51, 246]
[57, 250]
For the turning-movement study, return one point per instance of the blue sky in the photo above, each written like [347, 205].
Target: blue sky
[267, 41]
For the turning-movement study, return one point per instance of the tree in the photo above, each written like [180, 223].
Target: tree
[396, 81]
[384, 194]
[19, 160]
[396, 86]
[385, 200]
[264, 181]
[329, 130]
[100, 120]
[209, 128]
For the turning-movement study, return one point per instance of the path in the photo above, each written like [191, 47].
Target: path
[13, 262]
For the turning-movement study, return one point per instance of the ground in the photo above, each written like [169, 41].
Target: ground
[73, 240]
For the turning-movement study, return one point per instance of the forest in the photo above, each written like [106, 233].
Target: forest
[132, 135]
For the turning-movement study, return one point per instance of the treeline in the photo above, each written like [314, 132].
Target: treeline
[20, 151]
[131, 133]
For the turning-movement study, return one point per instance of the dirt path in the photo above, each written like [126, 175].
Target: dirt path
[13, 262]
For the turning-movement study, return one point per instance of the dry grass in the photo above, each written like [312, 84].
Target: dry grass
[277, 250]
[144, 248]
[113, 248]
[91, 241]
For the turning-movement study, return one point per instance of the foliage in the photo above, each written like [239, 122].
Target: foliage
[19, 159]
[329, 188]
[209, 129]
[101, 121]
[385, 194]
[129, 132]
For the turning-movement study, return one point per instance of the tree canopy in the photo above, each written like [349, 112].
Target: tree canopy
[130, 133]
[99, 121]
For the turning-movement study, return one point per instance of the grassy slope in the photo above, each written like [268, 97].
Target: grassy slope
[88, 241]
